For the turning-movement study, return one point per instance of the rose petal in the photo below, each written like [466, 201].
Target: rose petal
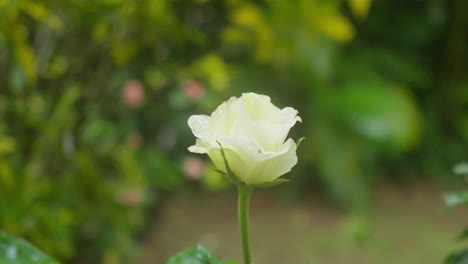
[274, 165]
[223, 118]
[199, 125]
[289, 116]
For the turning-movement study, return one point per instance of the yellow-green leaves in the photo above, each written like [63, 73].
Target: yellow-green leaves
[7, 145]
[360, 8]
[278, 29]
[18, 35]
[214, 70]
[23, 52]
[40, 13]
[335, 26]
[7, 176]
[249, 18]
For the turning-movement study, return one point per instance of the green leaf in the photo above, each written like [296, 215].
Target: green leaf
[17, 251]
[381, 112]
[196, 255]
[454, 199]
[460, 257]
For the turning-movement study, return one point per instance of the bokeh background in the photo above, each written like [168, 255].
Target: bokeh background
[95, 95]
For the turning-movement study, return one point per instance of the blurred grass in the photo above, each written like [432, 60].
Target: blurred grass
[410, 225]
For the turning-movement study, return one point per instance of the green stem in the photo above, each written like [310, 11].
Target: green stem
[243, 213]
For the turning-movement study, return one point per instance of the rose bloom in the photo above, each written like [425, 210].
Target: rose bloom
[133, 93]
[252, 132]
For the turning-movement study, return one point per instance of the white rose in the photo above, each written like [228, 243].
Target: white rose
[252, 132]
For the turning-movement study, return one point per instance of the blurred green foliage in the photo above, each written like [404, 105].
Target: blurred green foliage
[94, 98]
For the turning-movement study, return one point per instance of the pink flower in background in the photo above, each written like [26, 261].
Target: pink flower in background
[193, 167]
[194, 90]
[133, 93]
[130, 197]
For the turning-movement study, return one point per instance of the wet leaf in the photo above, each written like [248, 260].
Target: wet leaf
[196, 255]
[17, 251]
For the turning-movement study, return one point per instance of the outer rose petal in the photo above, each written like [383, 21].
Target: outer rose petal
[241, 154]
[289, 116]
[201, 147]
[275, 164]
[246, 155]
[199, 125]
[259, 107]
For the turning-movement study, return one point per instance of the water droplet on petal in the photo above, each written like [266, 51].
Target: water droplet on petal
[198, 124]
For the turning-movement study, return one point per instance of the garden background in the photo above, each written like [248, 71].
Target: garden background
[95, 97]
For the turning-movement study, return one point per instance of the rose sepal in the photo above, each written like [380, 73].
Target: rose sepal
[299, 141]
[229, 174]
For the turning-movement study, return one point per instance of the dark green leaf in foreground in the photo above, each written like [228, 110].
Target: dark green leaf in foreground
[17, 251]
[196, 255]
[458, 258]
